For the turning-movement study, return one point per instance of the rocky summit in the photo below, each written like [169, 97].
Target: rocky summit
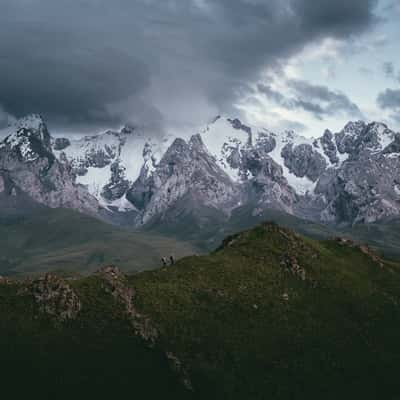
[29, 170]
[345, 178]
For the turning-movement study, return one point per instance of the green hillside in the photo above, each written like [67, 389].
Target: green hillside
[269, 315]
[205, 228]
[60, 239]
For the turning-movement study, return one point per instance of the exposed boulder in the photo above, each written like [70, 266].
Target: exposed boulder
[118, 184]
[237, 124]
[55, 298]
[61, 144]
[347, 140]
[329, 146]
[303, 161]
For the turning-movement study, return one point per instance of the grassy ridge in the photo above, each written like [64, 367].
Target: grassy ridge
[270, 314]
[95, 356]
[248, 328]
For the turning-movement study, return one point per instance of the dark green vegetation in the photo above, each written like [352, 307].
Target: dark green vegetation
[269, 315]
[95, 356]
[58, 239]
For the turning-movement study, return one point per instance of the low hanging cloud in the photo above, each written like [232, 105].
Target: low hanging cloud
[5, 119]
[390, 100]
[318, 100]
[98, 63]
[390, 71]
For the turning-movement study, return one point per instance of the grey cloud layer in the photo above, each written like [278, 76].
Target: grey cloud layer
[390, 100]
[98, 62]
[390, 71]
[318, 100]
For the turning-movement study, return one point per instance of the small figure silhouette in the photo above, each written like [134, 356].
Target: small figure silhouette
[171, 260]
[164, 261]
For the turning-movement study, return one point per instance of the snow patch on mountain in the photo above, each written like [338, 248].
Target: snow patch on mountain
[121, 205]
[223, 141]
[92, 158]
[26, 136]
[95, 179]
[301, 185]
[385, 136]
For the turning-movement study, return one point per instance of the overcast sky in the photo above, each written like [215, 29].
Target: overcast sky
[88, 65]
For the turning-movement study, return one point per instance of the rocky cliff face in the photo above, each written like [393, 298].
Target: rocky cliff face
[366, 187]
[29, 168]
[108, 164]
[186, 170]
[345, 177]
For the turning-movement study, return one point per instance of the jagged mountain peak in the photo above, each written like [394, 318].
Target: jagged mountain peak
[227, 164]
[358, 138]
[197, 142]
[29, 138]
[30, 121]
[354, 127]
[285, 164]
[128, 129]
[29, 165]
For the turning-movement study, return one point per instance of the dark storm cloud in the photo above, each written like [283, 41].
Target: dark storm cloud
[4, 118]
[390, 71]
[389, 99]
[99, 62]
[318, 100]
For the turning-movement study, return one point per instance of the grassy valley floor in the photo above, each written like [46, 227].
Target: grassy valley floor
[65, 240]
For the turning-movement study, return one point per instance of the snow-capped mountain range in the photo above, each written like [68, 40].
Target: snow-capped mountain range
[346, 177]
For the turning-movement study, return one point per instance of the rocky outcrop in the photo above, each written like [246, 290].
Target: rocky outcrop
[61, 144]
[29, 165]
[4, 280]
[291, 264]
[265, 141]
[267, 187]
[118, 184]
[329, 147]
[177, 366]
[116, 285]
[55, 298]
[303, 161]
[237, 124]
[186, 170]
[364, 189]
[394, 147]
[365, 249]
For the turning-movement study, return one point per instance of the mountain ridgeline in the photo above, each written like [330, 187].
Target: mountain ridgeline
[269, 314]
[225, 176]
